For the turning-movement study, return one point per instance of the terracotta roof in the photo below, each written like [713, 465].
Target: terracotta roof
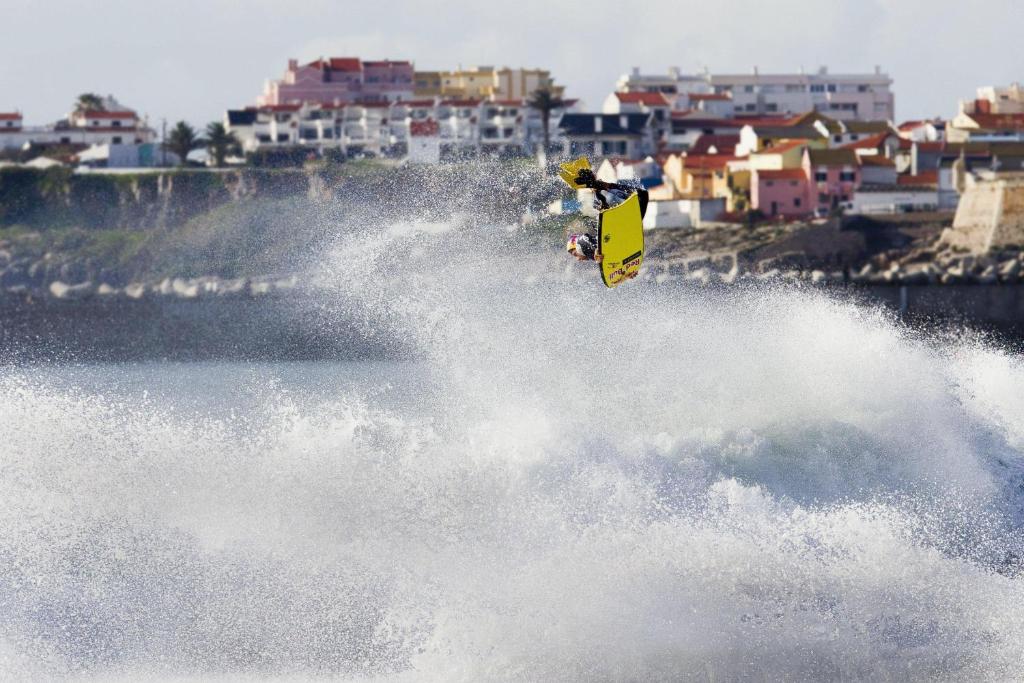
[922, 178]
[506, 103]
[872, 142]
[460, 103]
[338, 64]
[755, 121]
[95, 114]
[651, 99]
[784, 174]
[832, 157]
[877, 160]
[707, 161]
[12, 116]
[784, 146]
[867, 126]
[416, 103]
[999, 121]
[280, 107]
[424, 128]
[725, 144]
[386, 62]
[704, 97]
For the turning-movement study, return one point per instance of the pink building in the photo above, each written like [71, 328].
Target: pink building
[834, 176]
[784, 192]
[341, 80]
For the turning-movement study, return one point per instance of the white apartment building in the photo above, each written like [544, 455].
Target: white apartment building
[993, 99]
[846, 97]
[106, 127]
[462, 126]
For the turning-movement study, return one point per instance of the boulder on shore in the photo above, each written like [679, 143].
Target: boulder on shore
[62, 290]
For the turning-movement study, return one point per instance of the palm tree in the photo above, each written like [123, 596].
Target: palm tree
[545, 99]
[220, 142]
[182, 140]
[89, 101]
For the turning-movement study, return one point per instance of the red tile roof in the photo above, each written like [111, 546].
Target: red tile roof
[506, 103]
[783, 147]
[871, 142]
[725, 144]
[417, 103]
[922, 178]
[999, 121]
[424, 128]
[12, 116]
[338, 64]
[775, 121]
[707, 161]
[651, 99]
[876, 160]
[280, 107]
[784, 174]
[386, 63]
[93, 114]
[461, 103]
[716, 96]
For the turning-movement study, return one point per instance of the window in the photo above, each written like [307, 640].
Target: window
[818, 88]
[794, 88]
[116, 140]
[282, 137]
[115, 124]
[751, 107]
[770, 183]
[821, 176]
[771, 106]
[796, 201]
[863, 88]
[748, 88]
[837, 138]
[507, 132]
[792, 183]
[848, 176]
[854, 136]
[65, 141]
[831, 87]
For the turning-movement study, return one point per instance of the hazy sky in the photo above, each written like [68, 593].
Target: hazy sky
[192, 59]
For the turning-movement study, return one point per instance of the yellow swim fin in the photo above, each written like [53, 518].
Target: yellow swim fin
[570, 169]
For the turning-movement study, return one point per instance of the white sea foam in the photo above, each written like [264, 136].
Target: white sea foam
[615, 485]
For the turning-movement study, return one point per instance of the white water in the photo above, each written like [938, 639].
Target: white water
[573, 484]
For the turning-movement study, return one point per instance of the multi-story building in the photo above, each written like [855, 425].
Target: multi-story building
[116, 125]
[462, 127]
[618, 135]
[340, 79]
[841, 96]
[993, 99]
[483, 82]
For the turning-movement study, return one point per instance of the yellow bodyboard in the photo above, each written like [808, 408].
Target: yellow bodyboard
[620, 237]
[570, 169]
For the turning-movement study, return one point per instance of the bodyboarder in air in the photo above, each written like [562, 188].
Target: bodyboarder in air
[584, 246]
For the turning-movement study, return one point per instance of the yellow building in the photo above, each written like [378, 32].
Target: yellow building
[483, 82]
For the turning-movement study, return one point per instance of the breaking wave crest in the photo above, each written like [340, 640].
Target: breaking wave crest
[645, 483]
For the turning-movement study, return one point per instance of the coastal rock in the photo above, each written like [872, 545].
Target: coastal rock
[107, 290]
[1010, 270]
[73, 271]
[5, 258]
[259, 288]
[135, 290]
[818, 277]
[62, 290]
[987, 276]
[233, 287]
[14, 276]
[184, 289]
[165, 288]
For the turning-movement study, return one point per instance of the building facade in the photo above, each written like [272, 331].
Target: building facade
[120, 126]
[340, 80]
[863, 97]
[483, 82]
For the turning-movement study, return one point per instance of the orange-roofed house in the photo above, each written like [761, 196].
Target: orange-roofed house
[657, 104]
[965, 126]
[784, 192]
[699, 177]
[783, 154]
